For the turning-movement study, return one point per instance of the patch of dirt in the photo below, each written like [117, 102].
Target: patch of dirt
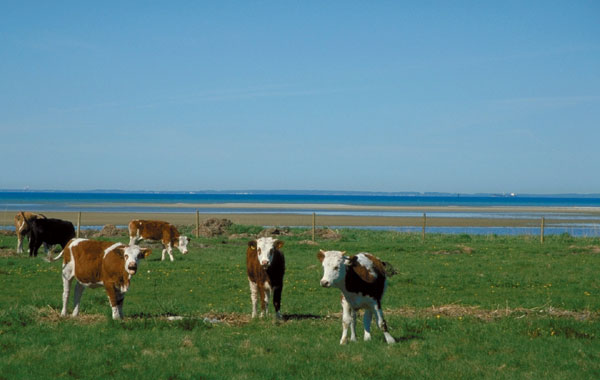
[212, 227]
[308, 242]
[240, 236]
[110, 230]
[459, 311]
[325, 234]
[275, 231]
[589, 250]
[8, 252]
[460, 249]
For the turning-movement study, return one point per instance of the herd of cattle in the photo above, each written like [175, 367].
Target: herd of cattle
[361, 278]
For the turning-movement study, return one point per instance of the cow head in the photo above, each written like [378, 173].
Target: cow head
[131, 254]
[182, 244]
[334, 267]
[265, 247]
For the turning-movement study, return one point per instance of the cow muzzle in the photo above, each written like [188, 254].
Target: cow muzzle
[132, 269]
[325, 283]
[264, 263]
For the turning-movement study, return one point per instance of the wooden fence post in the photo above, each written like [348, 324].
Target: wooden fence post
[197, 223]
[313, 226]
[78, 223]
[542, 231]
[424, 225]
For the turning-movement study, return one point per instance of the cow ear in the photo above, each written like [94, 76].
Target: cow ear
[252, 244]
[144, 252]
[278, 244]
[321, 255]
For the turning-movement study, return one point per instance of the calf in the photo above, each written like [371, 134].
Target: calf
[266, 266]
[21, 227]
[362, 280]
[95, 263]
[49, 231]
[161, 231]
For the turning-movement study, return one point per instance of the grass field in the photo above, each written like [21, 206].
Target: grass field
[460, 307]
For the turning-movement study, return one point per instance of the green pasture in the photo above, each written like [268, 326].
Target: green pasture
[460, 307]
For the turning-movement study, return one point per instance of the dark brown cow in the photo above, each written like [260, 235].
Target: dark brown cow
[158, 231]
[21, 227]
[265, 264]
[95, 263]
[362, 280]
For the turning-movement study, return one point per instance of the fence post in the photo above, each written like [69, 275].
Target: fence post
[313, 227]
[78, 223]
[542, 231]
[197, 223]
[424, 225]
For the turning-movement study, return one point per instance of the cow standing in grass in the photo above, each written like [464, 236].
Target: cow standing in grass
[22, 220]
[95, 263]
[362, 280]
[265, 264]
[158, 230]
[48, 231]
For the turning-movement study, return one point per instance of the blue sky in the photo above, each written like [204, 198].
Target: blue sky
[340, 95]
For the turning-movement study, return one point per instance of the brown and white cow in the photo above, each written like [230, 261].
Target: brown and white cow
[22, 227]
[265, 264]
[362, 280]
[95, 263]
[161, 231]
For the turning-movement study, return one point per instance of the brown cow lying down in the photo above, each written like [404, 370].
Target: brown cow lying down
[95, 263]
[158, 230]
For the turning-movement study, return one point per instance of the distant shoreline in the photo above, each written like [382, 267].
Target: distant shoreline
[267, 216]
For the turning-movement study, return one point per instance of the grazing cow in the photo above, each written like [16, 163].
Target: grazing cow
[159, 231]
[48, 230]
[95, 263]
[266, 266]
[21, 229]
[362, 280]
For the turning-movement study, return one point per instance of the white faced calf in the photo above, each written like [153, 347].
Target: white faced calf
[265, 266]
[362, 280]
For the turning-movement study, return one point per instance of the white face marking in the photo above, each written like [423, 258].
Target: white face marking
[132, 256]
[265, 247]
[334, 269]
[183, 242]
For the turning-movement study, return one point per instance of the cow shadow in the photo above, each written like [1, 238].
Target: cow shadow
[300, 317]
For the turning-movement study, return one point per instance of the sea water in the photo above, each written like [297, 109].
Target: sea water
[188, 202]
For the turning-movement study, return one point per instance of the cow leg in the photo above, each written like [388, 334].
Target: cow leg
[132, 240]
[264, 300]
[77, 297]
[19, 243]
[277, 300]
[383, 325]
[367, 322]
[112, 298]
[33, 246]
[67, 279]
[348, 320]
[170, 251]
[253, 297]
[120, 297]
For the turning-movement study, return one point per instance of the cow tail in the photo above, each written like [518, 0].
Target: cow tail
[51, 259]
